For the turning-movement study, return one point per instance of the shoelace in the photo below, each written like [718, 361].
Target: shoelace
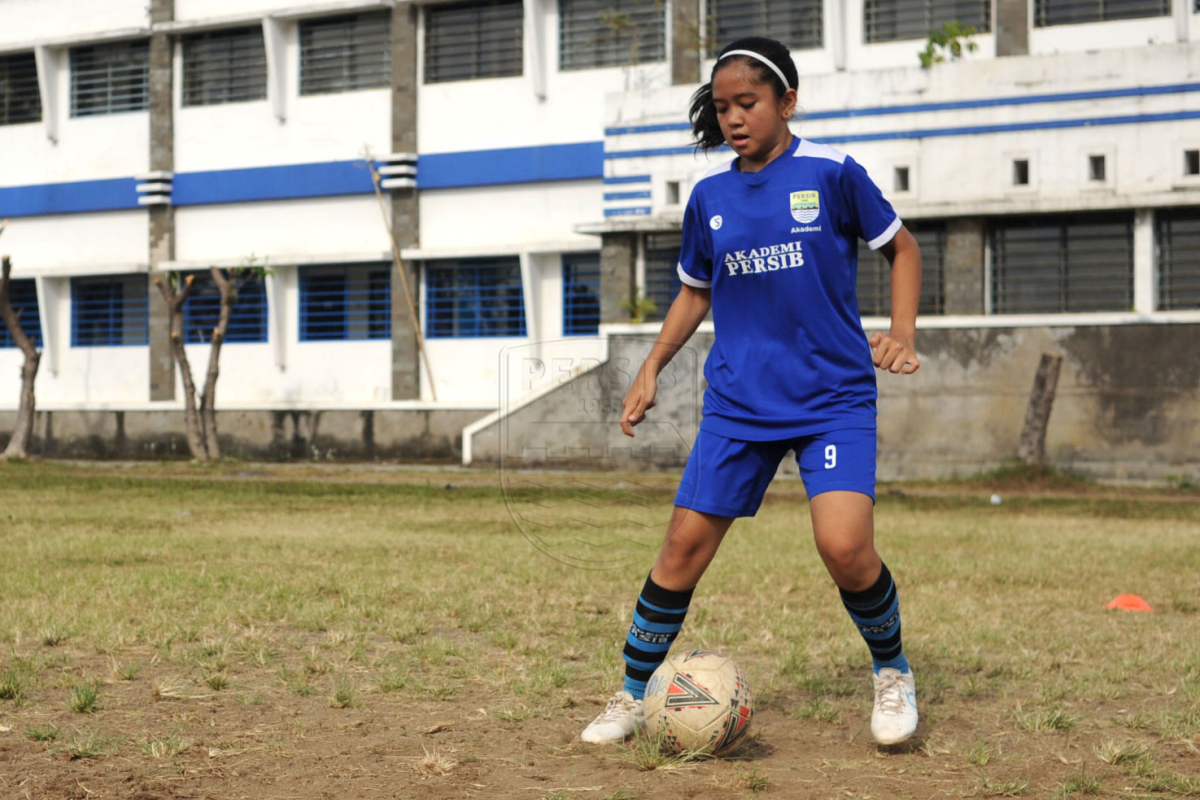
[618, 706]
[890, 695]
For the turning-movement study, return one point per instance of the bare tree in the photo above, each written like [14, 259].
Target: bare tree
[22, 435]
[200, 419]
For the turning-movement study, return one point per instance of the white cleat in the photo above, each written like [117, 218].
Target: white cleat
[894, 717]
[620, 718]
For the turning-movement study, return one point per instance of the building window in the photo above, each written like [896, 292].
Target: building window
[1020, 172]
[581, 294]
[796, 23]
[20, 99]
[225, 66]
[112, 311]
[874, 286]
[345, 302]
[247, 321]
[341, 54]
[22, 296]
[474, 297]
[1178, 258]
[662, 284]
[1070, 12]
[610, 33]
[1191, 160]
[110, 78]
[1044, 265]
[900, 179]
[889, 20]
[469, 41]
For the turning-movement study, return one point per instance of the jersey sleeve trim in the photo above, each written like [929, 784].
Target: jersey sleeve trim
[888, 234]
[695, 283]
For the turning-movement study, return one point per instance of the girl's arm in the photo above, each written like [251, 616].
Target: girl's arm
[896, 350]
[685, 315]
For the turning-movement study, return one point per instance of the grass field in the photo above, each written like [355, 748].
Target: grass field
[168, 631]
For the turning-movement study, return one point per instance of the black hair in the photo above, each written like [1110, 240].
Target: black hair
[706, 130]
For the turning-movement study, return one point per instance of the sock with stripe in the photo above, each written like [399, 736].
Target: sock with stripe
[876, 612]
[656, 622]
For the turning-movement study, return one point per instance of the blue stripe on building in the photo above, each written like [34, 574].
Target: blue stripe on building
[640, 211]
[552, 162]
[283, 182]
[954, 105]
[645, 195]
[628, 179]
[932, 133]
[112, 194]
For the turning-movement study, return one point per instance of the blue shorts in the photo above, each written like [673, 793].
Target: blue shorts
[728, 477]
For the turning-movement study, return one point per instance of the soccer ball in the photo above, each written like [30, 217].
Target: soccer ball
[698, 701]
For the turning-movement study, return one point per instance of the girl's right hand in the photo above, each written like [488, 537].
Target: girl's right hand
[638, 400]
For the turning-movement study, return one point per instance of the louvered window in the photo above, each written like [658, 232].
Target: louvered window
[889, 20]
[20, 100]
[661, 259]
[581, 294]
[875, 273]
[201, 312]
[345, 302]
[473, 40]
[224, 66]
[22, 296]
[341, 54]
[610, 33]
[1070, 263]
[109, 311]
[1178, 258]
[474, 297]
[796, 23]
[1070, 12]
[110, 78]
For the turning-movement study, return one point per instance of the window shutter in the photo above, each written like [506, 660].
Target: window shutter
[110, 79]
[474, 298]
[1070, 12]
[339, 303]
[875, 273]
[112, 311]
[225, 66]
[1058, 264]
[20, 99]
[581, 294]
[795, 23]
[469, 41]
[342, 54]
[22, 296]
[889, 20]
[610, 33]
[1178, 258]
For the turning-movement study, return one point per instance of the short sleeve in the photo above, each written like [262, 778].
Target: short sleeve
[871, 215]
[695, 252]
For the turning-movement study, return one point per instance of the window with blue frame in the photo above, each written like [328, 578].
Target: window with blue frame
[22, 296]
[581, 294]
[109, 311]
[341, 303]
[474, 297]
[247, 321]
[661, 257]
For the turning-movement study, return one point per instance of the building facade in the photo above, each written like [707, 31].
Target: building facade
[536, 161]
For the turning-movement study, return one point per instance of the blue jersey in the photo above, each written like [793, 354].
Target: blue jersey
[779, 249]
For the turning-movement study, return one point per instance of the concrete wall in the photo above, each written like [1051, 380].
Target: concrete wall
[1127, 406]
[417, 435]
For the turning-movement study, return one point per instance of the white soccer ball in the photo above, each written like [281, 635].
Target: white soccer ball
[698, 701]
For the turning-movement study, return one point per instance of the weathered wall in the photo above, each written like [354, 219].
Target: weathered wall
[1127, 406]
[423, 435]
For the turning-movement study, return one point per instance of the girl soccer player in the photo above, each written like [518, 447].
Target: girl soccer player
[769, 244]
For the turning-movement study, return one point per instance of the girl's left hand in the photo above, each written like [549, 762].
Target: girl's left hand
[895, 353]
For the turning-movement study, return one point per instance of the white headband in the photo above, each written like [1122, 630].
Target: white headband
[764, 60]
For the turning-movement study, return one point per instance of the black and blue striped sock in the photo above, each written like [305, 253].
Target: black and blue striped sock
[876, 612]
[656, 622]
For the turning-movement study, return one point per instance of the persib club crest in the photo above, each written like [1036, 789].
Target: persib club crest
[806, 206]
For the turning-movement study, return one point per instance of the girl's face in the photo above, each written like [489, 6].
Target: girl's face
[753, 119]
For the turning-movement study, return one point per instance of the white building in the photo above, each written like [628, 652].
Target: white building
[1052, 175]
